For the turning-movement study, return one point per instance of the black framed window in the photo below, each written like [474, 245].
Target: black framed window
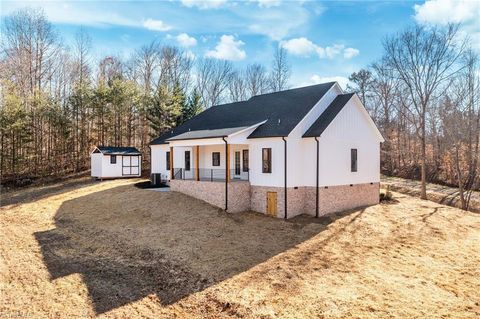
[216, 159]
[113, 159]
[167, 160]
[353, 159]
[266, 160]
[245, 160]
[187, 160]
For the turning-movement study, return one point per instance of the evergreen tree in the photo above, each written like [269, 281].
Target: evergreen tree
[193, 106]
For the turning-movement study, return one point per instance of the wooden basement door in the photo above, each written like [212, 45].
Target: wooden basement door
[272, 204]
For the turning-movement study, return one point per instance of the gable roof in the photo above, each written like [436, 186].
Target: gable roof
[328, 115]
[281, 111]
[114, 150]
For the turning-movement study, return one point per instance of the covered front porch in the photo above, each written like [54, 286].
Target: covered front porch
[209, 162]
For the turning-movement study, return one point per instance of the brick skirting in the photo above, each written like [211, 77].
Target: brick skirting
[214, 193]
[301, 200]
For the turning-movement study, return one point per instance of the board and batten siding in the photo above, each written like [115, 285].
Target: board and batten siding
[277, 177]
[350, 129]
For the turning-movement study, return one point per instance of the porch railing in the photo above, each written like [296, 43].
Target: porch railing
[210, 174]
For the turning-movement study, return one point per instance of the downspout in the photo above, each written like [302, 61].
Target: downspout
[226, 173]
[317, 170]
[285, 182]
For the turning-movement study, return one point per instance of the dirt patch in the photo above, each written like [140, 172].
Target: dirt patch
[113, 250]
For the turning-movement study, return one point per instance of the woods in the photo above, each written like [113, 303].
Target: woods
[57, 101]
[424, 96]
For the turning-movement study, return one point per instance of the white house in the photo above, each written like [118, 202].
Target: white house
[312, 150]
[115, 162]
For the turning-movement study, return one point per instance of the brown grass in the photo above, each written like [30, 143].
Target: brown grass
[112, 250]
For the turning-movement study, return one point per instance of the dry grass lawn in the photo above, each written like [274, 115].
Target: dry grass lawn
[113, 250]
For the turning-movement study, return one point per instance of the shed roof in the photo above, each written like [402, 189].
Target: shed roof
[281, 111]
[328, 115]
[116, 150]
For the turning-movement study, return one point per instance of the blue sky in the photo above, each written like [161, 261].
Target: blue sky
[325, 40]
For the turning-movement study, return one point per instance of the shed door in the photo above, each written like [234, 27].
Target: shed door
[130, 165]
[272, 204]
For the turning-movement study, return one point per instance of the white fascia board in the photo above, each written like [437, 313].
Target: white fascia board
[240, 137]
[195, 142]
[336, 85]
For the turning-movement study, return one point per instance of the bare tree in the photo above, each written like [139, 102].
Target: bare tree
[213, 77]
[281, 70]
[423, 60]
[237, 87]
[362, 85]
[256, 79]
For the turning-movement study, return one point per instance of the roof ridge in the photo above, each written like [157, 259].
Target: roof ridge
[292, 89]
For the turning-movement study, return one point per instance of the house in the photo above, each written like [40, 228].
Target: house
[115, 162]
[311, 150]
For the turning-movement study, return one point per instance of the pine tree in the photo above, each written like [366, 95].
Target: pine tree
[194, 106]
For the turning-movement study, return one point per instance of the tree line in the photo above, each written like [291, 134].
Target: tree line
[57, 102]
[424, 96]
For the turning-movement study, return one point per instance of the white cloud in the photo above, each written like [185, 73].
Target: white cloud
[445, 11]
[204, 4]
[228, 49]
[300, 46]
[74, 13]
[316, 79]
[185, 40]
[268, 3]
[156, 25]
[349, 53]
[304, 47]
[441, 12]
[275, 22]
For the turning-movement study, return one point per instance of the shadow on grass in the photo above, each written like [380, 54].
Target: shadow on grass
[128, 243]
[30, 194]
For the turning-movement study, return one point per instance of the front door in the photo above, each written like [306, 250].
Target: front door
[237, 164]
[272, 204]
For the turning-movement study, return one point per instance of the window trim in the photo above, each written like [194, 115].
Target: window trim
[113, 159]
[245, 168]
[167, 161]
[213, 159]
[267, 169]
[189, 161]
[353, 160]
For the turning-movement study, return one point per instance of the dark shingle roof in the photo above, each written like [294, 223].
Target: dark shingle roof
[282, 111]
[114, 150]
[328, 115]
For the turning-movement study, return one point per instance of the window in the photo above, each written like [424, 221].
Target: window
[167, 159]
[237, 163]
[266, 160]
[113, 159]
[216, 159]
[353, 159]
[187, 160]
[245, 160]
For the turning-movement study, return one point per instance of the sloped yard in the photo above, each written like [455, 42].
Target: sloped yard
[112, 250]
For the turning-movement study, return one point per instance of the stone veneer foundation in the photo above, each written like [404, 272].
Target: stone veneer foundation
[300, 200]
[214, 193]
